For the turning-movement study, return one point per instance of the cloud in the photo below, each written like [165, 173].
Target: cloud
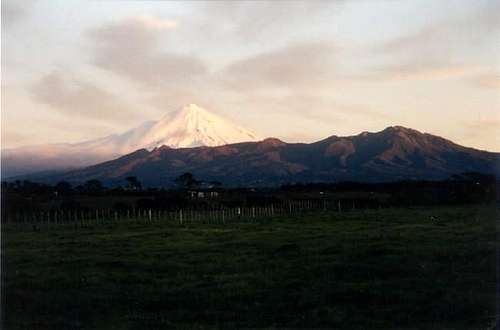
[14, 11]
[131, 48]
[303, 79]
[306, 65]
[442, 49]
[418, 70]
[155, 23]
[446, 37]
[254, 21]
[303, 69]
[73, 97]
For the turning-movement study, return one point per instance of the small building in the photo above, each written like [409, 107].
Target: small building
[203, 194]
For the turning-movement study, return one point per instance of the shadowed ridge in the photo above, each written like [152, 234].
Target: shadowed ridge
[395, 153]
[272, 142]
[133, 155]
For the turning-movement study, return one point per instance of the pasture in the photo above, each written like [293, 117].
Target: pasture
[407, 268]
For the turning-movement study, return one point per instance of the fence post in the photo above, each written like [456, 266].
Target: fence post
[42, 219]
[149, 215]
[180, 216]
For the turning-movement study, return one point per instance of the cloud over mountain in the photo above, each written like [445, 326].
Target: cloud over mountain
[343, 65]
[299, 66]
[75, 97]
[131, 48]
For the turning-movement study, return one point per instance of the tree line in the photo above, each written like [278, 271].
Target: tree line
[188, 193]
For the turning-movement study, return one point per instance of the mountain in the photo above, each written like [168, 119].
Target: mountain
[396, 153]
[190, 126]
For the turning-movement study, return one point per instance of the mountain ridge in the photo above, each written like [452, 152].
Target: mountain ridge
[395, 153]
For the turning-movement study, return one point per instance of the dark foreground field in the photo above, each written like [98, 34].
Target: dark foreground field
[387, 269]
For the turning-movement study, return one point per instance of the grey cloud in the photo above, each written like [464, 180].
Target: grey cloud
[14, 11]
[73, 97]
[436, 51]
[300, 78]
[251, 20]
[421, 70]
[244, 26]
[440, 39]
[298, 69]
[130, 48]
[308, 65]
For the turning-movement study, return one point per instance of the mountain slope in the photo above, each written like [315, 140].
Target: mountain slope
[193, 126]
[190, 126]
[395, 153]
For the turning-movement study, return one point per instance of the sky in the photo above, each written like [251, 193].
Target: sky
[299, 71]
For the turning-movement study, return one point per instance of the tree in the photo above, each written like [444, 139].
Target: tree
[63, 188]
[186, 181]
[93, 187]
[133, 183]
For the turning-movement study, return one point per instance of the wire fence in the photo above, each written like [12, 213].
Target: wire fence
[222, 215]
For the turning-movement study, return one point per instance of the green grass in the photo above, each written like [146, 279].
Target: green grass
[386, 269]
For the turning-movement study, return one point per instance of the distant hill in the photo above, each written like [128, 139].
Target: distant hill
[396, 153]
[189, 126]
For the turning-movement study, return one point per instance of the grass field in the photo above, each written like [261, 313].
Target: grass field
[422, 268]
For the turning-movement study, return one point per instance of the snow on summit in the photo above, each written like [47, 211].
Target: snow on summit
[194, 126]
[190, 126]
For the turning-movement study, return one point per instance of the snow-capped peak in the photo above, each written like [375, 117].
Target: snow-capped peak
[190, 126]
[193, 126]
